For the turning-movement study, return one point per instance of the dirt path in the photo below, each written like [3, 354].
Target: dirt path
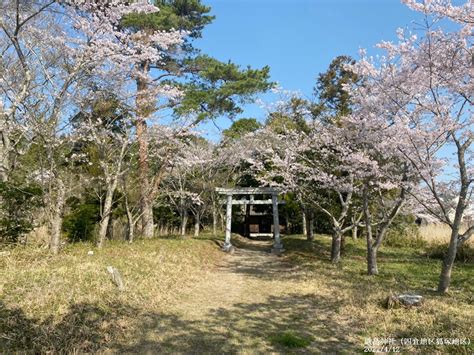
[247, 305]
[250, 274]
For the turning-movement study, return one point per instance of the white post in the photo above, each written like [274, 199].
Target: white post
[228, 224]
[277, 246]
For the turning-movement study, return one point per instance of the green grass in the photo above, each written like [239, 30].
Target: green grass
[401, 270]
[291, 340]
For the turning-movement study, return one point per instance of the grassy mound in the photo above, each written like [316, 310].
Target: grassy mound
[68, 302]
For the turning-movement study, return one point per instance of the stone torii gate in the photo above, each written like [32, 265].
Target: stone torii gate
[252, 191]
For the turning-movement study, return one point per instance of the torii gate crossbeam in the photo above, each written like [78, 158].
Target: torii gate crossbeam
[229, 192]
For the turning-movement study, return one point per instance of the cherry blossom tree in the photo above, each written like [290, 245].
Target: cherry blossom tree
[104, 128]
[317, 165]
[55, 47]
[201, 173]
[383, 173]
[333, 167]
[421, 92]
[171, 154]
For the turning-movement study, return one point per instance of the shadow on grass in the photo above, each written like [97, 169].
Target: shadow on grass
[241, 327]
[85, 327]
[251, 327]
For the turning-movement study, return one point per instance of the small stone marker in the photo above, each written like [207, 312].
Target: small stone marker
[406, 300]
[116, 278]
[411, 300]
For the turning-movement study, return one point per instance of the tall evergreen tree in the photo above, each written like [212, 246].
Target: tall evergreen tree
[241, 127]
[333, 101]
[211, 88]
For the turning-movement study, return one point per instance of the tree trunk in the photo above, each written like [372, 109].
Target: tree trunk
[184, 222]
[222, 219]
[197, 224]
[305, 227]
[354, 232]
[104, 222]
[309, 227]
[131, 223]
[214, 220]
[148, 227]
[445, 276]
[448, 261]
[131, 232]
[336, 246]
[371, 250]
[56, 219]
[144, 109]
[4, 151]
[372, 261]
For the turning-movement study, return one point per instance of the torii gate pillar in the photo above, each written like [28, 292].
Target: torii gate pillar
[228, 225]
[277, 247]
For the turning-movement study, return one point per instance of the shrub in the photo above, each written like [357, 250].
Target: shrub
[408, 240]
[80, 223]
[404, 233]
[18, 203]
[465, 253]
[322, 222]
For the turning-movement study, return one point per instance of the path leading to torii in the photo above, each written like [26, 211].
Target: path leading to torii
[249, 298]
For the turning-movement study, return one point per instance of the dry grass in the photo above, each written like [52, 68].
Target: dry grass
[68, 302]
[438, 233]
[185, 296]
